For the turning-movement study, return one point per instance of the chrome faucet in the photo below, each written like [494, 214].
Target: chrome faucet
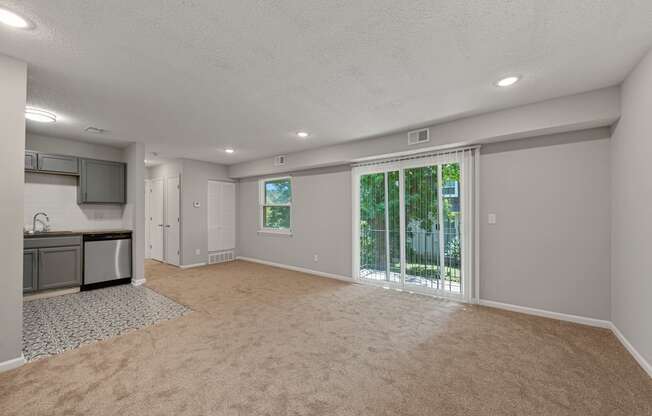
[46, 226]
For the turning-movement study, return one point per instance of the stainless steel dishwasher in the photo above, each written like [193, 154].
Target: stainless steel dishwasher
[107, 259]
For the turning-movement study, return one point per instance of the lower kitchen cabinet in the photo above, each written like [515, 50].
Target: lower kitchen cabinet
[59, 267]
[30, 270]
[52, 263]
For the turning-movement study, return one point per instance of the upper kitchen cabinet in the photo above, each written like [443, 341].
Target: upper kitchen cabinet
[102, 182]
[49, 163]
[31, 160]
[58, 163]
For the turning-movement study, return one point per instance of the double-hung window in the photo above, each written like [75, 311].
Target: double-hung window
[276, 205]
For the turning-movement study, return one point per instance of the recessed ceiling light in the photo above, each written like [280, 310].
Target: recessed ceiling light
[508, 81]
[303, 134]
[12, 19]
[39, 115]
[229, 150]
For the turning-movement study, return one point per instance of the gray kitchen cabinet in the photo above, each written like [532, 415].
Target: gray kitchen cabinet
[52, 262]
[102, 182]
[30, 270]
[58, 163]
[59, 267]
[31, 160]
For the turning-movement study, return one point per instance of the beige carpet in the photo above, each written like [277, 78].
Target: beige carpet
[266, 341]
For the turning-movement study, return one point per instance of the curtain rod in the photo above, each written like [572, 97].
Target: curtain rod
[421, 155]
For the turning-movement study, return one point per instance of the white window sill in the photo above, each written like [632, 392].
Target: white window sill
[279, 233]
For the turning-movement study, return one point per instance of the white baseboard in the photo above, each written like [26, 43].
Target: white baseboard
[599, 323]
[647, 367]
[298, 269]
[548, 314]
[577, 319]
[138, 282]
[13, 363]
[190, 266]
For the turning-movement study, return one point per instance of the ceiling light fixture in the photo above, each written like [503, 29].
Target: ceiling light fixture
[508, 81]
[229, 150]
[12, 19]
[303, 134]
[39, 115]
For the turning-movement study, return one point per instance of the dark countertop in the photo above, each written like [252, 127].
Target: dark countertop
[64, 233]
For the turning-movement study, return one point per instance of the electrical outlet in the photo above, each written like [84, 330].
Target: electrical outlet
[197, 252]
[491, 218]
[315, 257]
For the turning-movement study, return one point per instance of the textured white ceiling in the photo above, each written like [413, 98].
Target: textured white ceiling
[190, 77]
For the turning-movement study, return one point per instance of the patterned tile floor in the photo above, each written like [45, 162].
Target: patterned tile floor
[54, 325]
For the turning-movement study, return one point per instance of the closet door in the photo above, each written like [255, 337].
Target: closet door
[172, 232]
[156, 219]
[221, 216]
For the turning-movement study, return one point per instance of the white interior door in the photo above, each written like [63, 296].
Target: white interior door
[221, 216]
[147, 222]
[172, 251]
[156, 220]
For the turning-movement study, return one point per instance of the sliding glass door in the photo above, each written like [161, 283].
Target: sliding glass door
[380, 258]
[408, 223]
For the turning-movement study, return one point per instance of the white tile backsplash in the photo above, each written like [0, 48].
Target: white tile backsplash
[56, 195]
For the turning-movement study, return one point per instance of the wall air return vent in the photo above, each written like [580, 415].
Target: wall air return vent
[418, 137]
[221, 257]
[280, 160]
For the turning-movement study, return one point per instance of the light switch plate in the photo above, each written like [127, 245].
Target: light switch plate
[491, 218]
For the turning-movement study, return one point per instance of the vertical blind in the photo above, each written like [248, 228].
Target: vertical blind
[415, 221]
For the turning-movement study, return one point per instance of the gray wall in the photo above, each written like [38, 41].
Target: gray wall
[321, 209]
[194, 221]
[164, 170]
[135, 208]
[550, 246]
[73, 147]
[631, 268]
[549, 249]
[13, 84]
[598, 108]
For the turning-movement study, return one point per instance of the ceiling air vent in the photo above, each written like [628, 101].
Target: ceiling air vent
[418, 136]
[95, 130]
[280, 160]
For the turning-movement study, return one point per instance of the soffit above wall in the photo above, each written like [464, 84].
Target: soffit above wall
[600, 108]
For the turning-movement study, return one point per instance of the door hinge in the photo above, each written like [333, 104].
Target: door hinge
[178, 252]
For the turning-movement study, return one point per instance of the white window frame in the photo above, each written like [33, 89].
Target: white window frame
[262, 204]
